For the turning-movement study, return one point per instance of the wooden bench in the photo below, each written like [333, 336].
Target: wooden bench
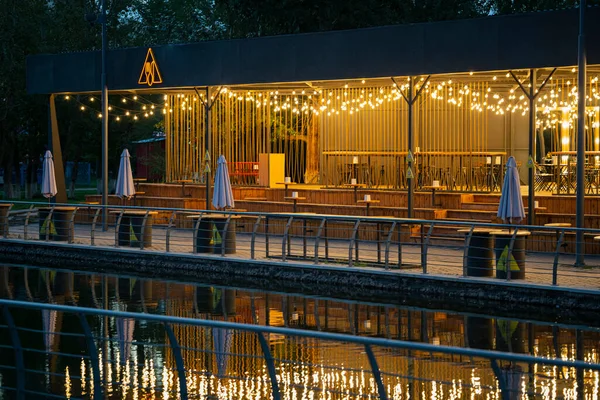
[243, 171]
[255, 199]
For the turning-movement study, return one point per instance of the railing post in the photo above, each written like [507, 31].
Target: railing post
[6, 224]
[143, 228]
[466, 251]
[376, 372]
[195, 233]
[426, 247]
[270, 366]
[561, 238]
[400, 243]
[253, 238]
[27, 221]
[70, 239]
[178, 361]
[267, 236]
[18, 350]
[286, 238]
[168, 233]
[353, 242]
[47, 223]
[509, 254]
[318, 238]
[93, 353]
[388, 242]
[224, 235]
[118, 227]
[93, 231]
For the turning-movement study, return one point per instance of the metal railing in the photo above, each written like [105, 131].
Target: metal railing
[97, 356]
[537, 254]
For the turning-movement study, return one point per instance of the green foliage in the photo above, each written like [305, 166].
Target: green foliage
[53, 26]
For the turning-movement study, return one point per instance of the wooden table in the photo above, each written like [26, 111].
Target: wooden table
[4, 209]
[203, 233]
[286, 184]
[517, 259]
[137, 181]
[368, 203]
[558, 225]
[135, 228]
[59, 226]
[433, 189]
[183, 182]
[355, 186]
[295, 200]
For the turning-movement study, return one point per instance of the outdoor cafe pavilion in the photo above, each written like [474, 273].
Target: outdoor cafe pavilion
[440, 103]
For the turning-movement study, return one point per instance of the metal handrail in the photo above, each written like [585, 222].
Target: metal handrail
[334, 217]
[351, 226]
[397, 344]
[366, 342]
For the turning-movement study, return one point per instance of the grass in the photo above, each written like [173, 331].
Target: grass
[79, 198]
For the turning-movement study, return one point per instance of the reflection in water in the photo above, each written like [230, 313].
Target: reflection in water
[138, 363]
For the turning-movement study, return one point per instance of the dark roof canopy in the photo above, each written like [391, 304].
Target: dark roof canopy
[535, 40]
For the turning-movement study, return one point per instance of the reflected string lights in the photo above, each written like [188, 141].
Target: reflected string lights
[332, 371]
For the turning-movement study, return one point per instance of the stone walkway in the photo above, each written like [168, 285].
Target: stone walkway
[443, 259]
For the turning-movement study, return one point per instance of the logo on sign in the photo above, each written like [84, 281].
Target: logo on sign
[150, 73]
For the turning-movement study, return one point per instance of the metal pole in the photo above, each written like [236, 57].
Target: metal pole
[207, 141]
[532, 152]
[580, 245]
[411, 183]
[104, 122]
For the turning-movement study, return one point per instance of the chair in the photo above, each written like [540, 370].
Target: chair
[544, 180]
[344, 172]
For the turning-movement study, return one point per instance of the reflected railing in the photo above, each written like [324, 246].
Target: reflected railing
[96, 355]
[536, 254]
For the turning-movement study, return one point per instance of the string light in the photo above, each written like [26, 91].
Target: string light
[343, 100]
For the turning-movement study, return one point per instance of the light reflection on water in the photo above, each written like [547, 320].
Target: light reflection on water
[139, 364]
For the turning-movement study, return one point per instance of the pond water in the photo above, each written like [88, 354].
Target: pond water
[138, 362]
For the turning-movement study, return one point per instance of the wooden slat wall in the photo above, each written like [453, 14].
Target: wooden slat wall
[243, 125]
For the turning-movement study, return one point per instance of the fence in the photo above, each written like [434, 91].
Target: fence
[537, 254]
[95, 355]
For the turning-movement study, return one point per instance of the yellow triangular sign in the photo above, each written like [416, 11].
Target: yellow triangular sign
[502, 261]
[207, 168]
[409, 156]
[409, 174]
[48, 225]
[132, 237]
[216, 236]
[207, 156]
[507, 328]
[530, 162]
[150, 73]
[131, 285]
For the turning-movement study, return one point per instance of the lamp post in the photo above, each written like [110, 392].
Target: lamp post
[579, 217]
[101, 19]
[104, 121]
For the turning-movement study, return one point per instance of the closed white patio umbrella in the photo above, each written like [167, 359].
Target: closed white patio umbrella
[222, 342]
[511, 207]
[125, 328]
[48, 178]
[222, 194]
[125, 187]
